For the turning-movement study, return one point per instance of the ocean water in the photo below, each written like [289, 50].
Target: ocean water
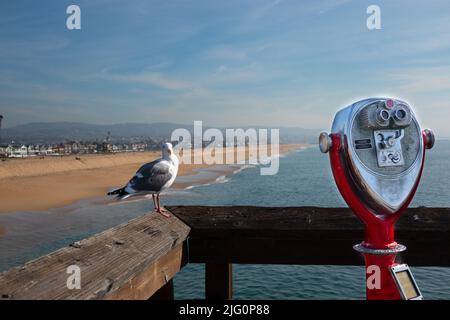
[304, 179]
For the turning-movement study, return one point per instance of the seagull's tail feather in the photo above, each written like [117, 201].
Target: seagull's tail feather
[120, 193]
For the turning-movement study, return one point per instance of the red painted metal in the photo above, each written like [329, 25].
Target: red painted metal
[379, 229]
[387, 289]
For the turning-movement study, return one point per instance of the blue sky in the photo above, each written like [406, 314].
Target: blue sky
[228, 63]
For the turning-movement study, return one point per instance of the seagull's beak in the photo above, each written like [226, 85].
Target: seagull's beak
[170, 152]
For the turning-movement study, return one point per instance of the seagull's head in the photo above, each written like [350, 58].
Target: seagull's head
[167, 150]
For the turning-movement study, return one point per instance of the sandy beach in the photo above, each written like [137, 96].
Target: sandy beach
[40, 184]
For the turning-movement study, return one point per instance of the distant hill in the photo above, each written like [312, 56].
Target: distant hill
[54, 132]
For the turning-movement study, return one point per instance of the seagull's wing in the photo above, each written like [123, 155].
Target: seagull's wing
[151, 177]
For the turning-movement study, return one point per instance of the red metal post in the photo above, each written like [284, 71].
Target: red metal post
[387, 289]
[379, 229]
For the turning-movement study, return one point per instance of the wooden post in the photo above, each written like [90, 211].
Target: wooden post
[218, 281]
[166, 292]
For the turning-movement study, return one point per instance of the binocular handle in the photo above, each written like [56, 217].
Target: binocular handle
[325, 142]
[429, 138]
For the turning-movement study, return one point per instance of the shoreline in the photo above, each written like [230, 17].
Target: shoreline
[205, 176]
[41, 185]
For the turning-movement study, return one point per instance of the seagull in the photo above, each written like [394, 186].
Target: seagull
[152, 178]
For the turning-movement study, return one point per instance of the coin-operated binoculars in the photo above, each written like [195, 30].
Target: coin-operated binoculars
[377, 152]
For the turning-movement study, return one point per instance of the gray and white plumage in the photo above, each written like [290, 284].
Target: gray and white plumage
[153, 177]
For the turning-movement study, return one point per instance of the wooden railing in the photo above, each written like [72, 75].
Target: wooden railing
[139, 259]
[131, 261]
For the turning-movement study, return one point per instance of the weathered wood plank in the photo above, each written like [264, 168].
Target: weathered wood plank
[306, 235]
[130, 261]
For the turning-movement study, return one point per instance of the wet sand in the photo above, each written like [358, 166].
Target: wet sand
[41, 184]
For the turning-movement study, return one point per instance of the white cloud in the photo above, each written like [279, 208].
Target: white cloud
[238, 75]
[149, 78]
[16, 49]
[420, 80]
[261, 12]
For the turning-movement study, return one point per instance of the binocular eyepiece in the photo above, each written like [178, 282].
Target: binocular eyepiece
[386, 115]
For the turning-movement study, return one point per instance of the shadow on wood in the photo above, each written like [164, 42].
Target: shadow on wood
[166, 292]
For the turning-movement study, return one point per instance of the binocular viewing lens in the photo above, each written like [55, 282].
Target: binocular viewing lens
[400, 114]
[384, 115]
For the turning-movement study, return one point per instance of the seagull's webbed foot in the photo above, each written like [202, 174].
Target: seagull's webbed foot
[163, 212]
[160, 209]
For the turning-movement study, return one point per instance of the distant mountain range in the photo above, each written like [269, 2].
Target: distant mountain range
[55, 132]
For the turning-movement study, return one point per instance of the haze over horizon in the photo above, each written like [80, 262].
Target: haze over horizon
[263, 63]
[182, 124]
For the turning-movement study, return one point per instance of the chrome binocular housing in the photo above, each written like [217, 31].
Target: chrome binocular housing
[382, 147]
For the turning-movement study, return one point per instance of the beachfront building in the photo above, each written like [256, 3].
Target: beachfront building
[106, 147]
[3, 151]
[124, 147]
[9, 150]
[69, 148]
[33, 150]
[75, 147]
[47, 150]
[58, 149]
[83, 148]
[17, 151]
[138, 147]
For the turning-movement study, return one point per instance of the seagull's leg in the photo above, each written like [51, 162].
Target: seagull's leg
[154, 201]
[161, 210]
